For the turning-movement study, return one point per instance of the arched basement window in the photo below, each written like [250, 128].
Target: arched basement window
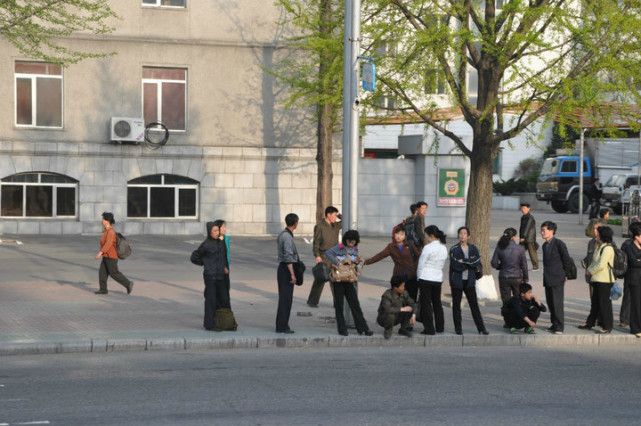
[38, 194]
[162, 196]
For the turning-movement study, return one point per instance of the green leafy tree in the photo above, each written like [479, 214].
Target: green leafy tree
[505, 68]
[37, 28]
[314, 73]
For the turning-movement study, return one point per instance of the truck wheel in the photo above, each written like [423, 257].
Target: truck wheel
[559, 206]
[573, 203]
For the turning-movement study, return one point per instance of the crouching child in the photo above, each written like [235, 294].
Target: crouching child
[522, 311]
[397, 307]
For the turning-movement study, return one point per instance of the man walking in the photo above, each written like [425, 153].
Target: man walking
[527, 235]
[326, 234]
[555, 257]
[287, 256]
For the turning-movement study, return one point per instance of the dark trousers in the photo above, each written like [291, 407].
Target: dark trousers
[316, 291]
[595, 207]
[470, 295]
[346, 291]
[508, 287]
[227, 288]
[429, 299]
[513, 321]
[109, 268]
[624, 313]
[635, 308]
[602, 293]
[390, 320]
[554, 299]
[285, 297]
[534, 258]
[595, 314]
[411, 286]
[215, 297]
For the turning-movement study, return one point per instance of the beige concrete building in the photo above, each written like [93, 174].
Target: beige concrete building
[197, 66]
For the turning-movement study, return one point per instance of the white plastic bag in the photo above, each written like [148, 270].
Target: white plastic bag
[485, 288]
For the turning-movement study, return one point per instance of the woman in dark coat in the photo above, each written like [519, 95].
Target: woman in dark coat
[509, 258]
[464, 258]
[632, 282]
[405, 256]
[212, 254]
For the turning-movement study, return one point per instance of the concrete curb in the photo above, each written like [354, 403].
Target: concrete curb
[275, 342]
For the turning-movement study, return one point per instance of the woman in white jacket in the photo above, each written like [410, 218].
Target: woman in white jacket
[430, 280]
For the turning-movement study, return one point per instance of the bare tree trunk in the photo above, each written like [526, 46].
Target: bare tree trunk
[324, 161]
[480, 196]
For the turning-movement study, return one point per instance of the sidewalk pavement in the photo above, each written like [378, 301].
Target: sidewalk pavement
[48, 305]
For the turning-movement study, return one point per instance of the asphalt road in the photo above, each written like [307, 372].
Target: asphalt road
[319, 386]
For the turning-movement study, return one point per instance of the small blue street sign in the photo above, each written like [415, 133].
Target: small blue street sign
[369, 76]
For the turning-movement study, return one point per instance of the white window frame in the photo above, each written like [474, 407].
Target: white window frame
[54, 196]
[177, 187]
[159, 4]
[34, 99]
[158, 82]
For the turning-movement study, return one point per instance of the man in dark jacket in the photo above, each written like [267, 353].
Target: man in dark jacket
[397, 307]
[522, 310]
[325, 237]
[527, 235]
[555, 259]
[212, 254]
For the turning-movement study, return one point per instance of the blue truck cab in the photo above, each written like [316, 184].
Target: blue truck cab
[558, 183]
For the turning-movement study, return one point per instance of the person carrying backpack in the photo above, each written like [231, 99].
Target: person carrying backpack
[109, 263]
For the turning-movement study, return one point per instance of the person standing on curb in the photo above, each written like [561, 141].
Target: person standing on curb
[325, 237]
[430, 281]
[527, 235]
[287, 256]
[419, 223]
[109, 263]
[509, 259]
[632, 283]
[602, 278]
[223, 236]
[212, 254]
[555, 257]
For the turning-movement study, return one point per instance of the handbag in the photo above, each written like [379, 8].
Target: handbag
[344, 271]
[299, 271]
[225, 320]
[478, 271]
[321, 272]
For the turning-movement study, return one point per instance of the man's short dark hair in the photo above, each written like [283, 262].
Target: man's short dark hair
[330, 210]
[421, 204]
[525, 205]
[603, 212]
[109, 217]
[291, 219]
[413, 208]
[549, 225]
[524, 288]
[397, 281]
[635, 229]
[605, 234]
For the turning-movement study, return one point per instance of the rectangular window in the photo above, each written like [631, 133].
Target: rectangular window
[136, 202]
[187, 202]
[162, 202]
[12, 200]
[165, 3]
[66, 201]
[38, 94]
[165, 96]
[434, 83]
[39, 201]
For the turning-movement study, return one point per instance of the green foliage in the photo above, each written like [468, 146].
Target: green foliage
[36, 27]
[510, 186]
[615, 221]
[529, 167]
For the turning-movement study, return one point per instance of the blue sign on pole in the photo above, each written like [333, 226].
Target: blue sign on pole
[369, 76]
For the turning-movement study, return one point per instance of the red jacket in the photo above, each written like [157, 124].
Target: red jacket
[404, 263]
[108, 244]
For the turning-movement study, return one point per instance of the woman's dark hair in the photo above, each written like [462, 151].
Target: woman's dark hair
[400, 228]
[458, 231]
[291, 219]
[435, 232]
[506, 237]
[351, 235]
[605, 234]
[109, 217]
[397, 280]
[219, 223]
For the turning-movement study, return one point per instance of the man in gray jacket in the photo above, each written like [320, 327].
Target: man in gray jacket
[397, 307]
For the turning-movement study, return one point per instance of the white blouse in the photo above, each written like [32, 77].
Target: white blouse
[432, 262]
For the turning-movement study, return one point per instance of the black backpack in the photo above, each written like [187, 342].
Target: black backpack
[410, 232]
[620, 262]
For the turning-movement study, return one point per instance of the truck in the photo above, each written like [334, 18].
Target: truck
[559, 180]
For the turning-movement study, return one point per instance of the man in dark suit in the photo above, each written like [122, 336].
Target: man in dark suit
[555, 257]
[527, 235]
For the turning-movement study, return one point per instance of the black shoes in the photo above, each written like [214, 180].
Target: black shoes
[405, 332]
[344, 333]
[101, 292]
[484, 332]
[312, 305]
[459, 332]
[131, 287]
[584, 327]
[366, 332]
[288, 331]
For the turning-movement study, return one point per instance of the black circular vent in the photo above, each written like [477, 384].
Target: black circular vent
[122, 128]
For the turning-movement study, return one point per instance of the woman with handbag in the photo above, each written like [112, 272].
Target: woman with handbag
[344, 258]
[405, 255]
[510, 260]
[430, 280]
[602, 278]
[464, 260]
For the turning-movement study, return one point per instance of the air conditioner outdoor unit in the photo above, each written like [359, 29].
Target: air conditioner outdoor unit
[126, 129]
